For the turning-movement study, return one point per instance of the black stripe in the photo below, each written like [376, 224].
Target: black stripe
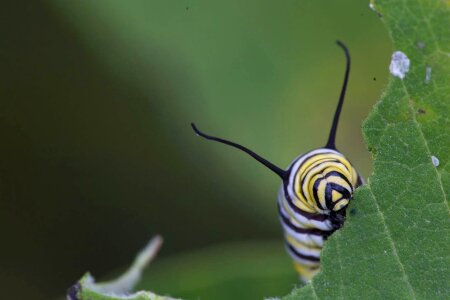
[327, 161]
[359, 181]
[302, 256]
[301, 182]
[329, 190]
[312, 231]
[343, 191]
[340, 175]
[315, 195]
[328, 196]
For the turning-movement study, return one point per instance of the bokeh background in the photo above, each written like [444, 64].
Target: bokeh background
[97, 154]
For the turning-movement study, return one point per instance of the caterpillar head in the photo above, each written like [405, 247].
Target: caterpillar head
[322, 181]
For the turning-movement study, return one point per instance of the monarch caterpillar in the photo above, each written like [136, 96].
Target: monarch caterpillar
[316, 189]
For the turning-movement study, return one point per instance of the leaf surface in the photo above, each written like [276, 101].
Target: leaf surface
[395, 244]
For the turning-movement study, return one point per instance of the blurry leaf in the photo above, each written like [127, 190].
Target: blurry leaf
[396, 245]
[251, 270]
[88, 289]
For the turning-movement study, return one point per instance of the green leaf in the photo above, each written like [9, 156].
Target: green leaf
[396, 245]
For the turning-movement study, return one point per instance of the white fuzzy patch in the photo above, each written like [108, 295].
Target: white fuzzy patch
[435, 160]
[399, 64]
[427, 74]
[372, 7]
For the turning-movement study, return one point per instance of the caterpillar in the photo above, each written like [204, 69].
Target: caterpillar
[315, 192]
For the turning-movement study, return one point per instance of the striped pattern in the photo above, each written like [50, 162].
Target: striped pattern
[311, 204]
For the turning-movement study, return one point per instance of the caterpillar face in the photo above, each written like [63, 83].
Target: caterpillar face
[321, 181]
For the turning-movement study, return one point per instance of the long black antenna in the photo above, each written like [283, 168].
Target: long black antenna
[280, 172]
[332, 137]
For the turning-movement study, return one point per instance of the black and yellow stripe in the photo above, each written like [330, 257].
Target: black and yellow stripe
[312, 204]
[317, 188]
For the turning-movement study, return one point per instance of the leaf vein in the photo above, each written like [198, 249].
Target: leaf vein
[313, 289]
[394, 249]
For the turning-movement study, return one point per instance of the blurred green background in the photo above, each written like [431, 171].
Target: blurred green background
[97, 154]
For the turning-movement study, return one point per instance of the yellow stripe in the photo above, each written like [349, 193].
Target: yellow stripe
[321, 189]
[301, 245]
[335, 196]
[305, 272]
[302, 203]
[341, 204]
[354, 177]
[303, 206]
[339, 181]
[324, 157]
[338, 167]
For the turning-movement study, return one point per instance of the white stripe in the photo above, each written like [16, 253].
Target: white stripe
[310, 251]
[304, 238]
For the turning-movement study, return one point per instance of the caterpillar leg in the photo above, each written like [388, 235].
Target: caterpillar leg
[306, 273]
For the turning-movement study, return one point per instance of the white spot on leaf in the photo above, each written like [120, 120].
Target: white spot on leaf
[427, 74]
[435, 160]
[399, 64]
[372, 7]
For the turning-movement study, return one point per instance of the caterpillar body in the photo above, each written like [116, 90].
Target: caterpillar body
[315, 192]
[312, 202]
